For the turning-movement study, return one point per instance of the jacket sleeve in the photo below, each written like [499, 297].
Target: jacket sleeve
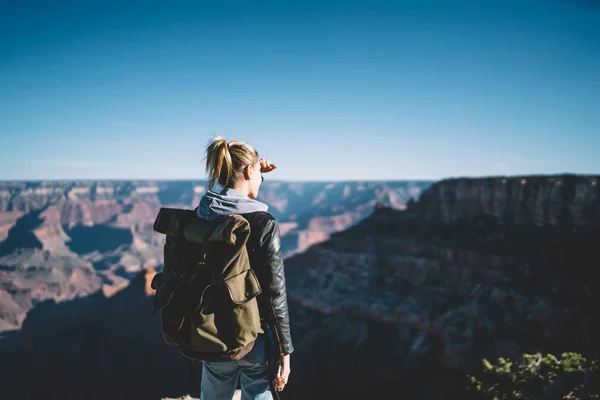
[273, 283]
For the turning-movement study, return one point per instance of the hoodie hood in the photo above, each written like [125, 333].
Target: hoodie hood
[229, 201]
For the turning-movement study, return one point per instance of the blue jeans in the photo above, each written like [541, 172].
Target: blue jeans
[220, 379]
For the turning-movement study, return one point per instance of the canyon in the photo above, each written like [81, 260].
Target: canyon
[67, 239]
[402, 303]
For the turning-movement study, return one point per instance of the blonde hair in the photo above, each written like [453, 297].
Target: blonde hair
[225, 162]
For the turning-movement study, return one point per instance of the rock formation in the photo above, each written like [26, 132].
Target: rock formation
[402, 304]
[477, 268]
[60, 240]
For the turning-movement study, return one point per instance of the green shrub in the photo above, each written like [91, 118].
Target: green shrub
[533, 376]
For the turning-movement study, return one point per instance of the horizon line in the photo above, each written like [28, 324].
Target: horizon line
[40, 180]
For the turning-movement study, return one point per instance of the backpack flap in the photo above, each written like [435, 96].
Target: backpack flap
[243, 287]
[171, 221]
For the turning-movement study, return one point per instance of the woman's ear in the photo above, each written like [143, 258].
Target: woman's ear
[248, 172]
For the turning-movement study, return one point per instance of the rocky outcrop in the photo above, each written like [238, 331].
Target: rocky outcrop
[565, 200]
[477, 268]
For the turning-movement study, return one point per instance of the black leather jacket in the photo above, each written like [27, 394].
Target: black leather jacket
[266, 259]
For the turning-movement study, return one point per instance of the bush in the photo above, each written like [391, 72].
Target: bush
[534, 376]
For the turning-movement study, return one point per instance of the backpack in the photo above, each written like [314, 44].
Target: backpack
[206, 292]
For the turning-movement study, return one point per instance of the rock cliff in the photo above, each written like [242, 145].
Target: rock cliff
[566, 200]
[477, 268]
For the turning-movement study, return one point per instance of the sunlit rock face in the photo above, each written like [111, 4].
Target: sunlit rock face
[60, 240]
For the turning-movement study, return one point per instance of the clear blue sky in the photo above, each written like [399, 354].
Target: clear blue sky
[328, 90]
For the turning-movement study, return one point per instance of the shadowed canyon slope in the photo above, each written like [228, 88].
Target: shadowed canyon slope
[477, 268]
[402, 303]
[59, 240]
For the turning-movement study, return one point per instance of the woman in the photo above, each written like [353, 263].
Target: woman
[237, 168]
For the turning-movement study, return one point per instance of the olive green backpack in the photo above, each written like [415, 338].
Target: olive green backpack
[206, 292]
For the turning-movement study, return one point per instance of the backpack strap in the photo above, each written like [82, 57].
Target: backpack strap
[271, 369]
[205, 244]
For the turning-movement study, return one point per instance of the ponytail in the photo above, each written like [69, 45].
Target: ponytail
[225, 162]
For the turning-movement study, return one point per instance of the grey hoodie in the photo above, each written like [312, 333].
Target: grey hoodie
[229, 201]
